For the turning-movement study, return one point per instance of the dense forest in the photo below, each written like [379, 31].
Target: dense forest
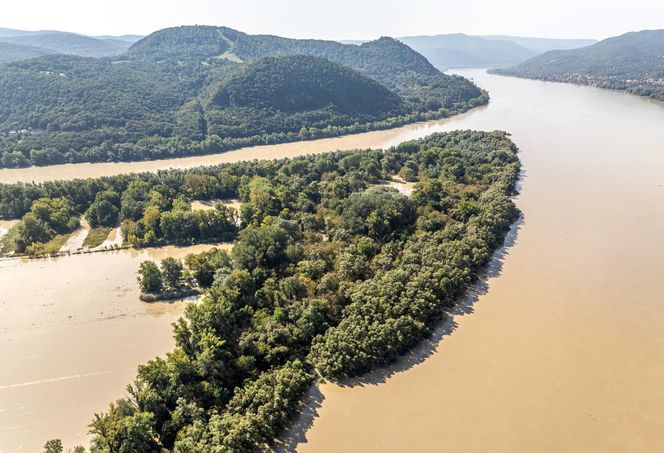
[198, 90]
[633, 62]
[331, 272]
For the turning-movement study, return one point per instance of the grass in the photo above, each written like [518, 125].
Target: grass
[96, 237]
[51, 247]
[55, 244]
[7, 242]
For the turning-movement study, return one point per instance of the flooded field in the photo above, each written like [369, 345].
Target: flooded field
[72, 331]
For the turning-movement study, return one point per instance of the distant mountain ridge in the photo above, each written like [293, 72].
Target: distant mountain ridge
[127, 38]
[14, 52]
[459, 50]
[541, 45]
[443, 51]
[633, 62]
[45, 42]
[70, 43]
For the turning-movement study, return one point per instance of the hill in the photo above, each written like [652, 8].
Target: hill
[459, 50]
[541, 45]
[381, 59]
[633, 62]
[47, 42]
[286, 94]
[387, 60]
[126, 38]
[15, 52]
[8, 32]
[298, 83]
[195, 90]
[69, 43]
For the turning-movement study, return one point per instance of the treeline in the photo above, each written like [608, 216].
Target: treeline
[174, 95]
[331, 271]
[155, 208]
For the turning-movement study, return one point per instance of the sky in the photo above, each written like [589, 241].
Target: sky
[342, 19]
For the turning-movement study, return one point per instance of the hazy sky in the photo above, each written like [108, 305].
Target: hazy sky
[342, 19]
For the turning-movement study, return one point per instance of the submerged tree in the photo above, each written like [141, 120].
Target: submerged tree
[150, 277]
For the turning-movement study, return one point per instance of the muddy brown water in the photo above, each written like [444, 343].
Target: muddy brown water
[561, 350]
[72, 331]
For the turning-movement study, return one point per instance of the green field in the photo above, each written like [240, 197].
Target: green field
[96, 237]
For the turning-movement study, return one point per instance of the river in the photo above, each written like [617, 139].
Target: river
[562, 350]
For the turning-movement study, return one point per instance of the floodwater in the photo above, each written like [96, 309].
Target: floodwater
[72, 332]
[561, 349]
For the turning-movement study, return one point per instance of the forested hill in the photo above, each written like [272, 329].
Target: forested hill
[633, 62]
[14, 52]
[50, 42]
[70, 43]
[197, 90]
[382, 59]
[299, 83]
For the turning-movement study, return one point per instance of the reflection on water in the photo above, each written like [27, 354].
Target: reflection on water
[564, 351]
[72, 331]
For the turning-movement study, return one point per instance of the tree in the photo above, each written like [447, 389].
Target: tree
[262, 246]
[31, 230]
[53, 446]
[171, 270]
[205, 265]
[104, 210]
[150, 277]
[409, 172]
[179, 226]
[377, 212]
[124, 429]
